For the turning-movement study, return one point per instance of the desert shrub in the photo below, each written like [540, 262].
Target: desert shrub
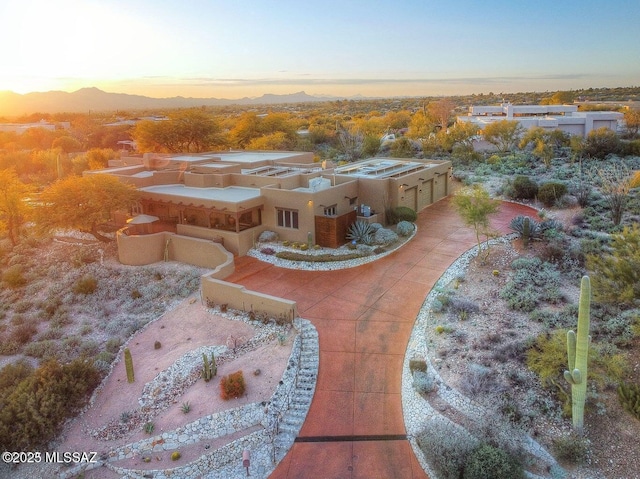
[361, 232]
[629, 395]
[523, 188]
[268, 237]
[533, 282]
[446, 447]
[9, 347]
[23, 333]
[14, 276]
[462, 308]
[22, 306]
[404, 213]
[480, 380]
[417, 365]
[549, 193]
[384, 237]
[51, 333]
[375, 226]
[86, 285]
[186, 407]
[136, 294]
[572, 448]
[404, 228]
[113, 345]
[45, 349]
[487, 461]
[232, 386]
[43, 401]
[149, 427]
[616, 277]
[423, 382]
[157, 345]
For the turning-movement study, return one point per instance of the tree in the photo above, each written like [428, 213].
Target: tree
[601, 142]
[441, 112]
[83, 202]
[616, 276]
[475, 206]
[503, 134]
[616, 181]
[13, 207]
[192, 130]
[350, 144]
[632, 122]
[559, 98]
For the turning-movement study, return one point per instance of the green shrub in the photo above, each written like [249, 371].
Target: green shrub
[86, 285]
[489, 462]
[524, 188]
[232, 386]
[175, 455]
[45, 349]
[186, 407]
[14, 276]
[572, 448]
[417, 365]
[149, 427]
[549, 193]
[629, 395]
[43, 401]
[446, 447]
[404, 213]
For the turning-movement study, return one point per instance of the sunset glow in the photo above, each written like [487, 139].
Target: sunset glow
[381, 48]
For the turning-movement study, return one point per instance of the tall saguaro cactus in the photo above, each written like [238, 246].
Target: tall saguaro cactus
[578, 352]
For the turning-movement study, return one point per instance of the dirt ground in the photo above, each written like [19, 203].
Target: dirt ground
[185, 328]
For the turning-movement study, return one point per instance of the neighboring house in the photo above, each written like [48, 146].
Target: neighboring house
[20, 128]
[566, 118]
[232, 197]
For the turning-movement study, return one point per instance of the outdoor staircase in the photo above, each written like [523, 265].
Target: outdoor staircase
[305, 385]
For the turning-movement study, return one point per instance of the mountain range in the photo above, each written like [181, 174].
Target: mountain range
[93, 99]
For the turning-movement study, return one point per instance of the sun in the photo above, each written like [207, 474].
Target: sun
[58, 45]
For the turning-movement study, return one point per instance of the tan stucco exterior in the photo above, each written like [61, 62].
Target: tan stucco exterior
[231, 198]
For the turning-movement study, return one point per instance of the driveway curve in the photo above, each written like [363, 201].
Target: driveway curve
[364, 317]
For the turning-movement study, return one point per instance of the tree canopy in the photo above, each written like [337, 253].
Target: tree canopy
[83, 203]
[503, 134]
[13, 207]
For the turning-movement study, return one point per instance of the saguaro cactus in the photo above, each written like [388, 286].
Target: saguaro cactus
[206, 368]
[578, 352]
[128, 364]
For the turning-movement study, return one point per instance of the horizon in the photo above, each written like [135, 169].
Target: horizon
[373, 49]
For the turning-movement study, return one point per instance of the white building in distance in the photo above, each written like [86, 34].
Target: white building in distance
[566, 118]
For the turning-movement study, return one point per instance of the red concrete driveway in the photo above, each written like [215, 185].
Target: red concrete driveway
[364, 317]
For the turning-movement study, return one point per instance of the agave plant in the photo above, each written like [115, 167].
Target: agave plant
[361, 232]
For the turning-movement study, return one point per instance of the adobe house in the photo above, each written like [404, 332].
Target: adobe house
[229, 198]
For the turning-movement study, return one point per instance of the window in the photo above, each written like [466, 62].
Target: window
[331, 210]
[287, 218]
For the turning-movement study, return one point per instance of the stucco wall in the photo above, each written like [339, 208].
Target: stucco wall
[236, 296]
[138, 250]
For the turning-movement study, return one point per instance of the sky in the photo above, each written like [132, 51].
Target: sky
[237, 48]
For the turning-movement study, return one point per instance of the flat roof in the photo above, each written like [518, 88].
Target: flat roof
[252, 156]
[381, 168]
[230, 194]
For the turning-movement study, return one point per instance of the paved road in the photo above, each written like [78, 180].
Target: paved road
[364, 317]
